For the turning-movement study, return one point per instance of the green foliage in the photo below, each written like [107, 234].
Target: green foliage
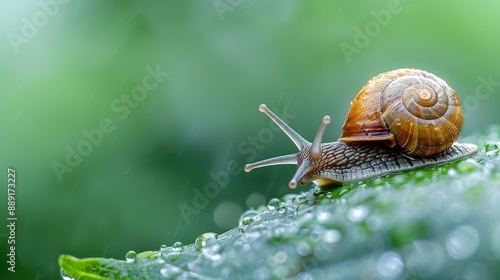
[440, 222]
[138, 267]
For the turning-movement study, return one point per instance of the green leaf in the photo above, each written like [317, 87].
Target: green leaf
[99, 268]
[439, 222]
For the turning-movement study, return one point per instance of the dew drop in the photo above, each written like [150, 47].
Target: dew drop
[170, 254]
[491, 148]
[131, 256]
[462, 242]
[246, 221]
[389, 264]
[65, 276]
[248, 217]
[299, 199]
[201, 240]
[177, 246]
[331, 236]
[273, 204]
[303, 248]
[323, 216]
[280, 257]
[452, 172]
[358, 213]
[282, 210]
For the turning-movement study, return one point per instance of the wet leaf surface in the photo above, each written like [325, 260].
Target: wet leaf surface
[432, 223]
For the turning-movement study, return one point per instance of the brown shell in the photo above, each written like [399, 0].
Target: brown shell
[410, 108]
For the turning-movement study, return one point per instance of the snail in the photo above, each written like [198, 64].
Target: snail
[400, 120]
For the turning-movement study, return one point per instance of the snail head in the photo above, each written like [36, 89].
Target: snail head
[308, 157]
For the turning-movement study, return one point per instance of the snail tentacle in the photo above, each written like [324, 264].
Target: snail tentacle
[298, 140]
[302, 170]
[316, 145]
[286, 159]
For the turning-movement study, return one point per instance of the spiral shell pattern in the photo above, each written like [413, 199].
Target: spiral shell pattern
[419, 109]
[422, 112]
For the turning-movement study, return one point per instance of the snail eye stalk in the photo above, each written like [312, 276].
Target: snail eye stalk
[299, 141]
[316, 145]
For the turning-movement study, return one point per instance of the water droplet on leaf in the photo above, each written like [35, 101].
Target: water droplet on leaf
[248, 217]
[389, 264]
[65, 276]
[358, 213]
[131, 256]
[273, 204]
[491, 148]
[177, 246]
[323, 216]
[303, 248]
[331, 236]
[201, 241]
[462, 242]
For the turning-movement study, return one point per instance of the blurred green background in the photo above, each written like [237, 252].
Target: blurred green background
[68, 66]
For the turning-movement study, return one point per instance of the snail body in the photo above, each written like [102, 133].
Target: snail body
[400, 120]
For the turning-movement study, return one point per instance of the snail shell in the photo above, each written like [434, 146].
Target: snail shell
[412, 109]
